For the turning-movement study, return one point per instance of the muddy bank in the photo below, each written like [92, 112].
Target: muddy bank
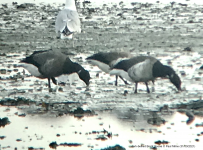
[143, 28]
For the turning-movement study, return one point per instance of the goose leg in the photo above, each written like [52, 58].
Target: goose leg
[124, 81]
[153, 89]
[148, 91]
[73, 43]
[54, 80]
[49, 83]
[136, 87]
[116, 82]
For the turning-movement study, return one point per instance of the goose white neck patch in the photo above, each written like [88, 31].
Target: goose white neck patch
[79, 72]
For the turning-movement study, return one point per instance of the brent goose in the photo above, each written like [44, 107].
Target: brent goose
[145, 69]
[105, 61]
[67, 21]
[50, 64]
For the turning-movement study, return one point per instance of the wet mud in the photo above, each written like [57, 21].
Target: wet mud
[103, 115]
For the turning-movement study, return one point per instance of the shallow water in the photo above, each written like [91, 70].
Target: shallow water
[39, 131]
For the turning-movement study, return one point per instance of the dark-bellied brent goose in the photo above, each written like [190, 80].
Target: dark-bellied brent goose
[145, 69]
[67, 21]
[106, 60]
[52, 63]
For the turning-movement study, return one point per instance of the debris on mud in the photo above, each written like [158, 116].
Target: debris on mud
[155, 120]
[4, 121]
[199, 125]
[101, 137]
[32, 148]
[54, 145]
[70, 144]
[25, 5]
[161, 142]
[116, 147]
[188, 49]
[79, 112]
[16, 101]
[18, 140]
[2, 137]
[153, 148]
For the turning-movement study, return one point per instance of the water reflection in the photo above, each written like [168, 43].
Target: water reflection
[99, 131]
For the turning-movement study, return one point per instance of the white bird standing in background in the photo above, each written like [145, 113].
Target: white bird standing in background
[67, 21]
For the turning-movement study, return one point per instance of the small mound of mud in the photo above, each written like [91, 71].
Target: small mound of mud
[116, 147]
[4, 121]
[79, 112]
[15, 102]
[161, 142]
[54, 145]
[2, 137]
[157, 121]
[32, 148]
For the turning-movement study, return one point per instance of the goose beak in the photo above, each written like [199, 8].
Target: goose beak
[87, 84]
[179, 89]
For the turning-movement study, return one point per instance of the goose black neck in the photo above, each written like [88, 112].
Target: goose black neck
[71, 67]
[77, 67]
[160, 70]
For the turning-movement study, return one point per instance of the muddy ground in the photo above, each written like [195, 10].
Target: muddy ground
[171, 32]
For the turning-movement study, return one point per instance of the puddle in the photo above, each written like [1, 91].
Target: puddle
[39, 131]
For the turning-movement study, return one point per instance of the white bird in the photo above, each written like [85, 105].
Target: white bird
[67, 21]
[145, 69]
[50, 64]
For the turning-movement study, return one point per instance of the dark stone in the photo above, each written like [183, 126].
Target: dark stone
[185, 5]
[191, 21]
[116, 147]
[188, 49]
[161, 142]
[4, 121]
[53, 145]
[140, 18]
[25, 5]
[70, 144]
